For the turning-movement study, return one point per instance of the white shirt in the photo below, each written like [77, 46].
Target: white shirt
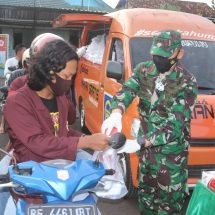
[10, 62]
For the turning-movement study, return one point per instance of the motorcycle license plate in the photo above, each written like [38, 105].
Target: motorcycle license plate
[62, 210]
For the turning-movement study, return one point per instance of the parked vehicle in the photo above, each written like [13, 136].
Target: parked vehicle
[65, 187]
[4, 89]
[128, 37]
[3, 96]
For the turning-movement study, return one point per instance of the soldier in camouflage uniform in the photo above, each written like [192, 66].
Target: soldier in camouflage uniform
[167, 94]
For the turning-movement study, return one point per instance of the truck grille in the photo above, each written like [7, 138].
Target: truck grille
[196, 171]
[202, 142]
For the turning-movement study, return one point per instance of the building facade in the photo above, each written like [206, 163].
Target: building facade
[23, 20]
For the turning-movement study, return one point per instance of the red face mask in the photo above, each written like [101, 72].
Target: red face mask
[61, 86]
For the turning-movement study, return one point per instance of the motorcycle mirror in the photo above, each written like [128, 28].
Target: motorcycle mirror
[117, 140]
[12, 68]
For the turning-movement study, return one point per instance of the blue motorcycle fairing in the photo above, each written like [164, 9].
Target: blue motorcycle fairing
[60, 183]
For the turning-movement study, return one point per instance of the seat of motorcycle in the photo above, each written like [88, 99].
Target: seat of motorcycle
[59, 163]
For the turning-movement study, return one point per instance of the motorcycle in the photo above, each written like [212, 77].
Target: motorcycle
[4, 89]
[66, 187]
[4, 92]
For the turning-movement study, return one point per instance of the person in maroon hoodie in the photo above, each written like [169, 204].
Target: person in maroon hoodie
[37, 113]
[18, 81]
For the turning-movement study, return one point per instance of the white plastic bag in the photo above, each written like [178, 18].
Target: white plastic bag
[110, 186]
[95, 50]
[81, 51]
[130, 146]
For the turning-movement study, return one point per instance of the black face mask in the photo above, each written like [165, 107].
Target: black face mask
[163, 64]
[61, 86]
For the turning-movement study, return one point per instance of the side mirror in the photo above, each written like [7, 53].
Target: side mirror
[114, 70]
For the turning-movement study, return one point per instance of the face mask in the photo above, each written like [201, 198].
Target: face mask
[163, 64]
[61, 86]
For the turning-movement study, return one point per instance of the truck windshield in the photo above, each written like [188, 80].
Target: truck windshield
[198, 59]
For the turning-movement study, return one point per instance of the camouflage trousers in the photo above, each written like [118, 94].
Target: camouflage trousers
[162, 182]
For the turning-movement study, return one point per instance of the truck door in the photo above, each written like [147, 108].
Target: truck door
[112, 85]
[89, 91]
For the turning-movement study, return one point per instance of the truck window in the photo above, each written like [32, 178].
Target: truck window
[93, 33]
[139, 50]
[198, 59]
[117, 53]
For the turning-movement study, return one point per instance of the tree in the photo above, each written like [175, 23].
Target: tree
[169, 6]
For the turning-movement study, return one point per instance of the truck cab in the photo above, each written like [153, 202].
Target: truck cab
[125, 38]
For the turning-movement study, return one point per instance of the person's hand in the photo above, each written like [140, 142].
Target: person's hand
[113, 121]
[96, 142]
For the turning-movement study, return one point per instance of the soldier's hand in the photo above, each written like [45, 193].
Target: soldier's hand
[113, 121]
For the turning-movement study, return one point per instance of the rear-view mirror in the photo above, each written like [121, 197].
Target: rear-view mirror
[114, 70]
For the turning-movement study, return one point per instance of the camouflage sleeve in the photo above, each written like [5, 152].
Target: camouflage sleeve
[178, 118]
[128, 92]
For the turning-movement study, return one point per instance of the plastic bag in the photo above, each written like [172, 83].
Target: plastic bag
[95, 50]
[81, 51]
[110, 186]
[202, 201]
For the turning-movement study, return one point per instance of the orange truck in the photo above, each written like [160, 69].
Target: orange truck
[125, 40]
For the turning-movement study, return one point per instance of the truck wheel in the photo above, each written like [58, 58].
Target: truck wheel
[127, 173]
[82, 117]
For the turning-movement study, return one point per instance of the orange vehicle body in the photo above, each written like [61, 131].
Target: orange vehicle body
[94, 90]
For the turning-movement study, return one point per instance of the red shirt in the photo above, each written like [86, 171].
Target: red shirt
[31, 129]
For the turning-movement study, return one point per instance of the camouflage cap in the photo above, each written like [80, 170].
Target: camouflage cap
[165, 43]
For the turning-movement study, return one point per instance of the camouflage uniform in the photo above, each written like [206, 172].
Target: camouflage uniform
[165, 105]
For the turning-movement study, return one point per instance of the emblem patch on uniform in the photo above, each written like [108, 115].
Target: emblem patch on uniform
[159, 86]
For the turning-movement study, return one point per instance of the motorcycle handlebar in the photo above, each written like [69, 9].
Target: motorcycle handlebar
[4, 179]
[9, 184]
[12, 68]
